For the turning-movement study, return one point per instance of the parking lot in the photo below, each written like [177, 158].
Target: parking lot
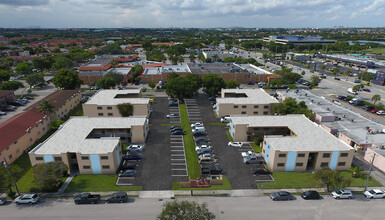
[193, 111]
[179, 170]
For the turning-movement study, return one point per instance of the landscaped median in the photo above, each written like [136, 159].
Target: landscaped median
[226, 186]
[95, 183]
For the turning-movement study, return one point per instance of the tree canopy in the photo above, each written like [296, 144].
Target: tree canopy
[290, 106]
[67, 79]
[332, 179]
[118, 78]
[4, 76]
[48, 176]
[46, 106]
[315, 80]
[213, 84]
[24, 68]
[35, 79]
[184, 87]
[106, 83]
[185, 210]
[11, 85]
[232, 84]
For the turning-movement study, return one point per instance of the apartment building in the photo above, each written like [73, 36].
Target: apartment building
[293, 142]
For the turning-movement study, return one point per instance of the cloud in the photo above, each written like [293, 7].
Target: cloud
[24, 2]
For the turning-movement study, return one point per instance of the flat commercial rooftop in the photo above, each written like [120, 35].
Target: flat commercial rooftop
[353, 125]
[167, 69]
[92, 73]
[122, 71]
[71, 137]
[309, 135]
[109, 97]
[254, 69]
[254, 96]
[206, 68]
[98, 62]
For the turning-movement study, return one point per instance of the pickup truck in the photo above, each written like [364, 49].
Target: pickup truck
[87, 198]
[213, 170]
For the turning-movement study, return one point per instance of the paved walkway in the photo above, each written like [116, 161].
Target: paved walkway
[66, 183]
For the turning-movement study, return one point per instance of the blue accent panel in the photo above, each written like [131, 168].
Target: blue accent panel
[95, 163]
[217, 108]
[333, 161]
[145, 130]
[117, 154]
[268, 146]
[290, 162]
[232, 128]
[48, 158]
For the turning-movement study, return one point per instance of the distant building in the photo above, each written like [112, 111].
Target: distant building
[160, 73]
[6, 96]
[380, 78]
[298, 40]
[216, 55]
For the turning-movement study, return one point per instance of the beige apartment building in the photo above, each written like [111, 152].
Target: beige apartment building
[293, 142]
[249, 102]
[91, 145]
[105, 103]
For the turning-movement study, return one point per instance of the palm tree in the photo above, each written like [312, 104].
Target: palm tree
[46, 106]
[376, 98]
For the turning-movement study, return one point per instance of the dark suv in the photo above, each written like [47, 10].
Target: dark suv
[117, 197]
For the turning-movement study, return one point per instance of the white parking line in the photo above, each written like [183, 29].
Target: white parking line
[178, 164]
[177, 155]
[178, 159]
[177, 150]
[127, 178]
[178, 169]
[179, 175]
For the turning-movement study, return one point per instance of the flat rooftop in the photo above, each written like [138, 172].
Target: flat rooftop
[141, 63]
[98, 62]
[253, 69]
[253, 96]
[122, 71]
[71, 137]
[353, 125]
[309, 135]
[167, 69]
[109, 97]
[206, 68]
[92, 73]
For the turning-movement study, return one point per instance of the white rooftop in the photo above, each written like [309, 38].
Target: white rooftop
[254, 69]
[167, 69]
[122, 71]
[254, 96]
[71, 137]
[108, 97]
[309, 135]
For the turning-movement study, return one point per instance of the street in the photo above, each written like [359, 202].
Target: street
[261, 207]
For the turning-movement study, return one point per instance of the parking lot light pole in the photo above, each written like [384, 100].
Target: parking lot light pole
[10, 175]
[370, 170]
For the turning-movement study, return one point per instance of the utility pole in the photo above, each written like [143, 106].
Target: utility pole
[370, 170]
[10, 175]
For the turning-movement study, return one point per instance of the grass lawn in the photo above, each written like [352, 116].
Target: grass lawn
[375, 50]
[89, 91]
[193, 167]
[361, 181]
[256, 148]
[229, 136]
[93, 183]
[226, 186]
[291, 180]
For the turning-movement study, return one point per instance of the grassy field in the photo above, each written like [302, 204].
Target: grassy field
[193, 167]
[94, 183]
[256, 148]
[360, 182]
[226, 186]
[375, 50]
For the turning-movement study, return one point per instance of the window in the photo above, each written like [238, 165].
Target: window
[266, 129]
[105, 167]
[301, 155]
[58, 159]
[344, 154]
[280, 164]
[15, 142]
[110, 114]
[100, 114]
[266, 107]
[104, 157]
[299, 164]
[86, 167]
[282, 155]
[39, 158]
[341, 164]
[43, 129]
[37, 125]
[109, 107]
[109, 130]
[265, 113]
[243, 113]
[244, 106]
[121, 130]
[255, 113]
[324, 164]
[10, 156]
[99, 107]
[235, 106]
[326, 155]
[255, 129]
[84, 157]
[256, 106]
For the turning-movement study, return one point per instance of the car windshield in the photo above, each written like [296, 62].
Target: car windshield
[34, 196]
[372, 192]
[338, 191]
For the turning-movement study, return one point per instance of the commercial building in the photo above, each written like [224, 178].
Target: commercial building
[160, 73]
[293, 142]
[215, 54]
[244, 102]
[105, 103]
[298, 40]
[90, 145]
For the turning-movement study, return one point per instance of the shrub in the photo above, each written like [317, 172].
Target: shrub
[125, 109]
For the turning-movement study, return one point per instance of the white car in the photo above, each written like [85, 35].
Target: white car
[135, 148]
[234, 144]
[375, 194]
[342, 194]
[2, 113]
[380, 112]
[173, 116]
[225, 119]
[202, 147]
[3, 200]
[198, 124]
[27, 199]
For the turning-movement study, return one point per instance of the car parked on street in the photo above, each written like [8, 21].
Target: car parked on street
[380, 112]
[366, 89]
[2, 113]
[27, 199]
[311, 194]
[135, 148]
[281, 195]
[127, 173]
[120, 197]
[87, 198]
[3, 200]
[234, 144]
[375, 194]
[341, 194]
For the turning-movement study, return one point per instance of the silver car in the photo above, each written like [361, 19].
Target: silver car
[342, 194]
[27, 199]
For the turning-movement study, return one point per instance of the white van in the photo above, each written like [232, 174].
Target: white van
[225, 119]
[198, 129]
[350, 90]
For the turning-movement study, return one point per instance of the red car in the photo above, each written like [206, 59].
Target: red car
[374, 110]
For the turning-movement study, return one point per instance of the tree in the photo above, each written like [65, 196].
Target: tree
[356, 88]
[332, 179]
[185, 210]
[287, 76]
[46, 107]
[192, 56]
[56, 124]
[232, 84]
[42, 63]
[135, 73]
[118, 78]
[229, 60]
[213, 84]
[193, 84]
[315, 80]
[11, 85]
[6, 180]
[62, 62]
[172, 75]
[176, 87]
[376, 98]
[67, 79]
[4, 76]
[290, 106]
[35, 79]
[125, 109]
[48, 176]
[24, 68]
[106, 83]
[151, 85]
[303, 72]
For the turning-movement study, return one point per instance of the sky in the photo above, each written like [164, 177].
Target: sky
[191, 13]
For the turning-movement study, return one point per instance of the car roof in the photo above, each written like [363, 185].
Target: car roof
[378, 190]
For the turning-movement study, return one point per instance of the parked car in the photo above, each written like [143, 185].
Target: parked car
[357, 81]
[341, 97]
[87, 198]
[27, 199]
[207, 160]
[206, 155]
[212, 98]
[311, 194]
[323, 77]
[342, 194]
[380, 112]
[202, 147]
[261, 171]
[234, 144]
[336, 78]
[199, 134]
[212, 170]
[132, 157]
[176, 129]
[198, 124]
[281, 195]
[172, 103]
[3, 200]
[252, 159]
[225, 119]
[127, 173]
[15, 103]
[178, 132]
[374, 194]
[2, 113]
[128, 165]
[135, 148]
[204, 151]
[201, 140]
[117, 197]
[366, 90]
[347, 99]
[374, 110]
[175, 126]
[172, 116]
[368, 107]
